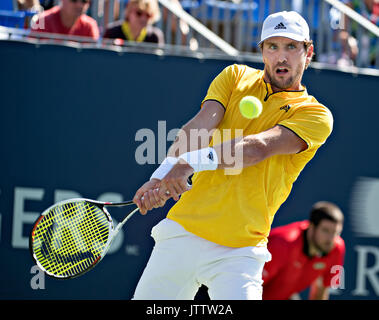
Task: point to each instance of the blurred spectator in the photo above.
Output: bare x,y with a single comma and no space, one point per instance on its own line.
68,18
111,13
367,41
344,47
349,49
306,253
47,4
30,5
178,25
137,25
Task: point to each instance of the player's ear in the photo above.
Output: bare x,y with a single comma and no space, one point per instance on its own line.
311,228
309,55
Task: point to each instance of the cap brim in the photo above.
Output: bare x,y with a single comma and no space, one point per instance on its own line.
288,35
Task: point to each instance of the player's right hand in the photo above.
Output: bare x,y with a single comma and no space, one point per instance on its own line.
147,197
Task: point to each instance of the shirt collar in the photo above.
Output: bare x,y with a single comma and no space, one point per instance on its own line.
283,93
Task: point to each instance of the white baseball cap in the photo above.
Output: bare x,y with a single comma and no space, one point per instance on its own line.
288,24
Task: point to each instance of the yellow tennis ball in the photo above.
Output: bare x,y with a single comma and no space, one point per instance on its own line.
250,107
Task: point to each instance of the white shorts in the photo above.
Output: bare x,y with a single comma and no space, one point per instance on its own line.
181,262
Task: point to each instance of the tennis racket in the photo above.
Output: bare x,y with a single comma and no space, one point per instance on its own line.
72,236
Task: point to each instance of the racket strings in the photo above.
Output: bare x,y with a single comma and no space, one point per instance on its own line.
70,238
64,238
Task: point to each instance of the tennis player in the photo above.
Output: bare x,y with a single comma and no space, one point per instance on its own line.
306,253
216,234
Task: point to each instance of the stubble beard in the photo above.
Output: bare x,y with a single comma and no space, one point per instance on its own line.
285,83
324,249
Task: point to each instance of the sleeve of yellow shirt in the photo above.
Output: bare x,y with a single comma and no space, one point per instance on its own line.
222,86
312,122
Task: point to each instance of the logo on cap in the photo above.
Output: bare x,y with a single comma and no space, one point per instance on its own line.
280,26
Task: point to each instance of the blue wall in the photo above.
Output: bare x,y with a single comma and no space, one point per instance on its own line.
68,124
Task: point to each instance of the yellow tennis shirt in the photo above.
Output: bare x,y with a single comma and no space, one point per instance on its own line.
237,210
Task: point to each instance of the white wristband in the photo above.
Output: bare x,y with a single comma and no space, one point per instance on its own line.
164,168
201,160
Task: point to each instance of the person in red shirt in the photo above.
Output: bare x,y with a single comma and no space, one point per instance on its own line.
69,18
306,253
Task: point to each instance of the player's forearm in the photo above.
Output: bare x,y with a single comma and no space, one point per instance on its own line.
245,151
241,152
233,154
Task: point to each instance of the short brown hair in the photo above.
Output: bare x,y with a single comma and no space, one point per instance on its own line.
324,210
